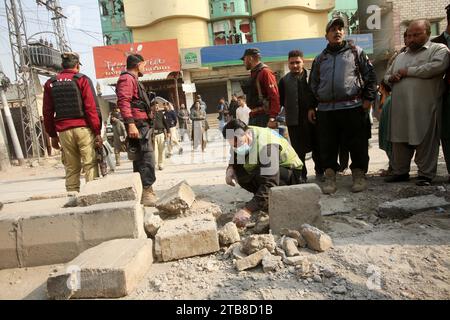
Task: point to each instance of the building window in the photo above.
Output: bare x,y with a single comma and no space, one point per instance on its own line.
211,8
232,6
225,7
247,9
104,9
435,28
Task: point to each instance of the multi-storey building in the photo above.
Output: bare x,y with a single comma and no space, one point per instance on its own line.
213,34
112,19
394,17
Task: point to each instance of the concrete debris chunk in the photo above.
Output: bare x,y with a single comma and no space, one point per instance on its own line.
229,234
290,247
252,260
205,207
187,237
304,269
285,211
110,189
316,239
152,223
271,263
294,261
256,243
294,234
177,200
110,270
280,252
237,252
44,232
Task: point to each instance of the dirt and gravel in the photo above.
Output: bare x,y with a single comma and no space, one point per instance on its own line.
371,257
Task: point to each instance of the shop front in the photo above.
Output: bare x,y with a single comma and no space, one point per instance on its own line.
162,73
217,71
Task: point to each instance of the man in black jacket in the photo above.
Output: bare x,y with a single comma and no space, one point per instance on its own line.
444,38
297,98
161,132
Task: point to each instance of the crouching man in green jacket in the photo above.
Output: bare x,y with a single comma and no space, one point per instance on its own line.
260,159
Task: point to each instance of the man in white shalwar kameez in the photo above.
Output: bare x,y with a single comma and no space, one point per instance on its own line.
416,77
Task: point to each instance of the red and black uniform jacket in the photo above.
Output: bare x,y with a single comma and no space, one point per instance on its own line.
91,119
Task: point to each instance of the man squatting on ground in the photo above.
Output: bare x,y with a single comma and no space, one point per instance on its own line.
260,159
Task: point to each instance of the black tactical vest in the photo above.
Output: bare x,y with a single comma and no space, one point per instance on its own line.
67,98
253,97
143,103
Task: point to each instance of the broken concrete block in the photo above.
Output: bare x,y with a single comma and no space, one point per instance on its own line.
187,237
229,234
9,228
271,263
285,211
177,200
205,207
109,270
293,261
229,251
43,232
252,260
315,238
256,243
290,247
304,269
294,234
152,223
404,208
112,188
237,252
280,252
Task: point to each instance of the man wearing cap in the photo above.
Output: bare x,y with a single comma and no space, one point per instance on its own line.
72,120
134,105
262,91
344,83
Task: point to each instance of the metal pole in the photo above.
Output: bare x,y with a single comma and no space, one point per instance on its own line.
32,129
12,129
4,152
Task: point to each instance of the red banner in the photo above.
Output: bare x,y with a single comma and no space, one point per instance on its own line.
161,56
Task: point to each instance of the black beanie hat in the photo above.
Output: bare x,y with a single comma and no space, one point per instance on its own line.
133,60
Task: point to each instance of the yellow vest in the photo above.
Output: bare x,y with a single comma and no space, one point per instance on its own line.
265,136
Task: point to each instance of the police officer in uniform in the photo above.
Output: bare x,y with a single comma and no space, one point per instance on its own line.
134,105
72,120
262,93
261,159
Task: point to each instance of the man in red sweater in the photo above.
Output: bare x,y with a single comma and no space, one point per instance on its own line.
262,93
134,105
72,120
